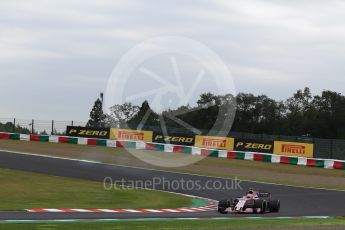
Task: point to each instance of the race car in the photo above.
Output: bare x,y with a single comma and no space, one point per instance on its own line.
254,201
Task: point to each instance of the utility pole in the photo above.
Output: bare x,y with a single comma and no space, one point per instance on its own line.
101,96
32,126
52,127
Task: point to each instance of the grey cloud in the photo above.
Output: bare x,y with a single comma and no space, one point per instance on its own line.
64,51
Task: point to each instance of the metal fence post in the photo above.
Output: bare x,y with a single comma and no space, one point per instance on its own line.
332,143
52,127
32,126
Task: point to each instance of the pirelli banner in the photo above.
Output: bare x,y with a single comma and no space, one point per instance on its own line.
88,132
131,135
252,145
294,149
213,142
175,139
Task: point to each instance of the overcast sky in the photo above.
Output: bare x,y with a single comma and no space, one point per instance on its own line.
56,56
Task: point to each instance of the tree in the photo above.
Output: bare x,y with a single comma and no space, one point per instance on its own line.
330,112
144,118
97,117
302,114
267,115
297,108
212,112
207,113
121,114
199,118
246,113
9,127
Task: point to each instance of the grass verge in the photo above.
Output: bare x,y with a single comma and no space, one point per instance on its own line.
245,170
24,190
333,223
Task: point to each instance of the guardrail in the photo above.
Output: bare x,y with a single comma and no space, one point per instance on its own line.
269,158
323,148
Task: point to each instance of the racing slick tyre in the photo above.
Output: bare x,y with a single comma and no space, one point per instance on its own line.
222,206
260,204
274,205
233,203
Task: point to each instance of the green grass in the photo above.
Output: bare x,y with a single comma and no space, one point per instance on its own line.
279,168
261,171
24,190
186,224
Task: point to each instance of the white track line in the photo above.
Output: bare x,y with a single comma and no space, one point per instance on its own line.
166,171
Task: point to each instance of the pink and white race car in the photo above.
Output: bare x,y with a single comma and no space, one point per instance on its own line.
253,202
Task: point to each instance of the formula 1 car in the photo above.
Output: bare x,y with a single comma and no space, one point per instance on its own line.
254,201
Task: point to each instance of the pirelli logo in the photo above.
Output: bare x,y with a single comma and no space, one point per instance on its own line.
294,149
213,142
131,136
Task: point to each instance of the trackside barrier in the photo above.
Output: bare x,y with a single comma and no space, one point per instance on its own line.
240,155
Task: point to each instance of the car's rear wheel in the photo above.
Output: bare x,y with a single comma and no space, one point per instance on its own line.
222,206
274,205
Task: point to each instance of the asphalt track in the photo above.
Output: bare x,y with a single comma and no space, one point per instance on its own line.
296,201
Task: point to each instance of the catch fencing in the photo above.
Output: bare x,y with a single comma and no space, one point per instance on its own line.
323,148
53,127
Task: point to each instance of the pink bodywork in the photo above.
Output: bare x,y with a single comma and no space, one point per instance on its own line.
251,195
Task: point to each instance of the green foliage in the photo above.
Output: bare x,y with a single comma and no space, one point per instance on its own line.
144,118
121,115
97,117
8,127
300,115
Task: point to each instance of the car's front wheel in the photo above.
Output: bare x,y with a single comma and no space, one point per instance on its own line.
223,205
